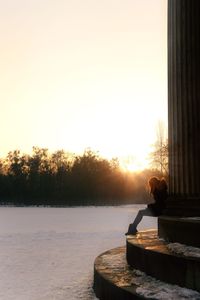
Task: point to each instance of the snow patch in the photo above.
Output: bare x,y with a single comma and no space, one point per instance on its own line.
184,250
150,287
191,218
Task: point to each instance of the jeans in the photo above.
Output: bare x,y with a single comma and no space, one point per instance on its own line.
141,213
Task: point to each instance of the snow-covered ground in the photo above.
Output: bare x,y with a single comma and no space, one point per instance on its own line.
48,253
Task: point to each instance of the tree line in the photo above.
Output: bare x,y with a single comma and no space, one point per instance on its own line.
61,178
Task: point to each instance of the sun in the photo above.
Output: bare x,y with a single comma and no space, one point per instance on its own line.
128,167
130,164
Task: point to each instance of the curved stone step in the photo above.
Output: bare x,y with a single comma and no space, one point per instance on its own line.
153,256
115,280
112,278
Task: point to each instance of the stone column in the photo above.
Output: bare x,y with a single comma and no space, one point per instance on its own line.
184,124
184,107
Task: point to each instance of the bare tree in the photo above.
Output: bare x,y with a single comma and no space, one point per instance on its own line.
159,155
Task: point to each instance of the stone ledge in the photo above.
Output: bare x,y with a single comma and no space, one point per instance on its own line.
152,256
115,280
111,281
182,230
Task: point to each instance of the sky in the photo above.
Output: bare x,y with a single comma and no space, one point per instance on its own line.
83,73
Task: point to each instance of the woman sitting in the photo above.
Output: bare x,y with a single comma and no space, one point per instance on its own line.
158,189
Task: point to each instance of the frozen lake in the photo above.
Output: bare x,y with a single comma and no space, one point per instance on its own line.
48,253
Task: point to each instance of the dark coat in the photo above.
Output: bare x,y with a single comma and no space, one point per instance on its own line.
160,196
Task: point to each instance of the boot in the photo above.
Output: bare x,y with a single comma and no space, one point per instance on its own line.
131,230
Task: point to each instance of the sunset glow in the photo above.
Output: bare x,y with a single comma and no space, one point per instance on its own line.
130,164
78,74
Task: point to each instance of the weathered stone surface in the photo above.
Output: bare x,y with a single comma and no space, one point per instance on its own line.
112,281
151,255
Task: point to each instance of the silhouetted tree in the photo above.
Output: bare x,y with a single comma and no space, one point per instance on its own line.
62,178
159,156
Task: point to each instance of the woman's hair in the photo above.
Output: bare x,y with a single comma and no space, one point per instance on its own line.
155,183
163,185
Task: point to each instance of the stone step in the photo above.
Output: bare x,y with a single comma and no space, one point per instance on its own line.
114,279
156,258
180,229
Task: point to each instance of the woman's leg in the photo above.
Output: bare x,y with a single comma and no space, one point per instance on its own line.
141,213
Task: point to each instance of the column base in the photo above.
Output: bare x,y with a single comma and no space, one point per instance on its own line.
184,230
182,206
